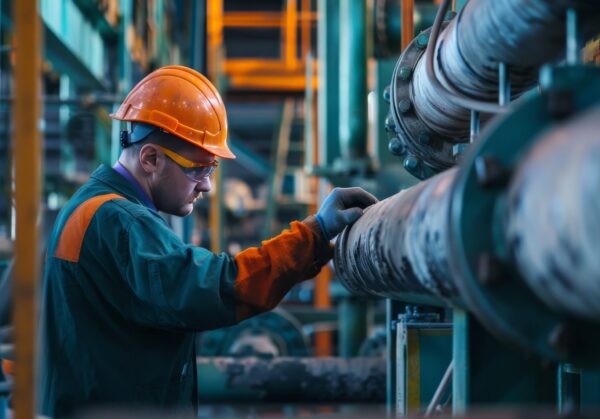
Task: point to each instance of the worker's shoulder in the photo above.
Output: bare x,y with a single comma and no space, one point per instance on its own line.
128,209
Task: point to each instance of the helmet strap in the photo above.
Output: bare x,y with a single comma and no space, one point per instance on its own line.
125,138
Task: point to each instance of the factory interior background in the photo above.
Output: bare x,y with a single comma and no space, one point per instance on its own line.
471,289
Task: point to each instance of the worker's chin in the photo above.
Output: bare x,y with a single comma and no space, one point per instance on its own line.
180,211
186,210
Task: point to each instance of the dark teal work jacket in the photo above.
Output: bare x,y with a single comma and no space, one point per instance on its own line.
123,295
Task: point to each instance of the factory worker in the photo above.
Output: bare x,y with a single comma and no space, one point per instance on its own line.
123,294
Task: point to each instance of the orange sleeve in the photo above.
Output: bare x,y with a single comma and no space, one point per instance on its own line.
267,273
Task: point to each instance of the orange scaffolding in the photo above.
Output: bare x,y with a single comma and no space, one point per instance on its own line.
286,73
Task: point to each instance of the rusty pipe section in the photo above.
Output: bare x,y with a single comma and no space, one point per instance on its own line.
553,217
483,35
291,379
400,245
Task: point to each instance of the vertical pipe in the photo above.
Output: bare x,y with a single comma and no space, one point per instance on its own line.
407,18
460,356
573,50
392,309
198,36
28,179
214,28
503,84
353,79
197,62
125,75
322,298
474,129
328,38
352,325
568,387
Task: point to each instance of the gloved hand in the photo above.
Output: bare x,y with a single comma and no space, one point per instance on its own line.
342,207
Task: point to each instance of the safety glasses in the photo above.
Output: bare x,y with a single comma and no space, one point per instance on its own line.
193,170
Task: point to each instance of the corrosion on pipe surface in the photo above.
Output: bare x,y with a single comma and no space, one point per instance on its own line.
292,379
400,244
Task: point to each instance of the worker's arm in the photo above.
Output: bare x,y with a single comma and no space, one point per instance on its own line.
267,273
183,286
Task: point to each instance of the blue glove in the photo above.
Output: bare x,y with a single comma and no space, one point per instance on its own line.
342,207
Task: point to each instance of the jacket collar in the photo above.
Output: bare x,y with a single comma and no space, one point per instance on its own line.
121,185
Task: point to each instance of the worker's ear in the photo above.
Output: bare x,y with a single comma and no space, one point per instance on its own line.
149,158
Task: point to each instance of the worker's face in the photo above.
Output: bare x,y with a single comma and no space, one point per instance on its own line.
173,191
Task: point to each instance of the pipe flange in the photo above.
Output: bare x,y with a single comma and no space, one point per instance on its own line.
424,152
481,261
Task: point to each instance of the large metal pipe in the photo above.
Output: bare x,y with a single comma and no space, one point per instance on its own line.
483,35
553,217
551,224
400,244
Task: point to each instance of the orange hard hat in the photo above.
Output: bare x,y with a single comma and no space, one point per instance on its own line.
183,102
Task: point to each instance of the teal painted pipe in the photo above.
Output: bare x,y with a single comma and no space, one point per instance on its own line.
353,80
387,25
352,325
328,95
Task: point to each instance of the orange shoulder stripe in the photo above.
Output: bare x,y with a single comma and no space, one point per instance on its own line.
71,237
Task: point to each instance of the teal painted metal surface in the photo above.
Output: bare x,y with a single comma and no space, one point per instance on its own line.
460,4
460,354
328,94
247,158
125,63
73,44
272,193
97,19
387,24
353,325
424,351
384,72
392,310
162,45
353,80
482,376
568,384
309,102
391,177
198,36
590,389
65,61
125,73
508,307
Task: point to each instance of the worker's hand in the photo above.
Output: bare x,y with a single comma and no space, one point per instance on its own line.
342,207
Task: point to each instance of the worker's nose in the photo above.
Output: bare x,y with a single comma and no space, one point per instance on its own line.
204,185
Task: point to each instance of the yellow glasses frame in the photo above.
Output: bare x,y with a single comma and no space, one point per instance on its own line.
188,166
183,162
